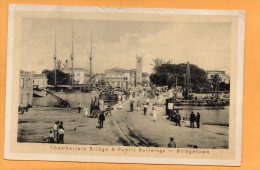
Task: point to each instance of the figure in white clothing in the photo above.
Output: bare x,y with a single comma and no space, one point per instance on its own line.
131,97
147,101
154,112
86,111
119,105
123,98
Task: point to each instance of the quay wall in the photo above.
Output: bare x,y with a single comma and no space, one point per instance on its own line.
73,98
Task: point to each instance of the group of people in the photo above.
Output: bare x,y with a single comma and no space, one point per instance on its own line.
85,109
133,104
194,118
56,135
176,117
145,108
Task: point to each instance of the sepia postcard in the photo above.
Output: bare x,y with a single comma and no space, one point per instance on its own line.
152,86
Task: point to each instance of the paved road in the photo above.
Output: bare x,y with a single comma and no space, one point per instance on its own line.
122,128
137,129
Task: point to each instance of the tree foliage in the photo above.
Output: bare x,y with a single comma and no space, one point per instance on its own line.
61,77
158,62
167,74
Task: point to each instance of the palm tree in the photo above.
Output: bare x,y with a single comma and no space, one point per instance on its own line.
158,62
215,83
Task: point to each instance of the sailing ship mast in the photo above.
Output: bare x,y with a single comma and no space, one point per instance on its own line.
188,80
90,58
72,58
55,65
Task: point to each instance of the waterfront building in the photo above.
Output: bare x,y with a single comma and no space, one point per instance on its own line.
225,78
80,75
26,88
40,81
99,77
118,77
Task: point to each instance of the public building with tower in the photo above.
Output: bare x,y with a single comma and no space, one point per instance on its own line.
139,68
126,78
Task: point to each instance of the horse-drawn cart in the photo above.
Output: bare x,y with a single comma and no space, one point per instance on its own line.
103,105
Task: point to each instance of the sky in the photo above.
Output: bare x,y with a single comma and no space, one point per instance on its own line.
116,43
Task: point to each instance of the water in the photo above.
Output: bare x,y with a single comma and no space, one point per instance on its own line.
208,115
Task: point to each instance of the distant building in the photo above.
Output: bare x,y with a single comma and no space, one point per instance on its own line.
223,76
99,78
132,81
26,88
145,78
125,78
81,75
118,77
40,81
139,69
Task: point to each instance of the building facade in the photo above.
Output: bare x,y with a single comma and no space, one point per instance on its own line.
225,78
145,79
26,88
119,77
80,75
40,81
99,78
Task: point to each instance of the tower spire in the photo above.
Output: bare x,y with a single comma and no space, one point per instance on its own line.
55,58
72,58
90,57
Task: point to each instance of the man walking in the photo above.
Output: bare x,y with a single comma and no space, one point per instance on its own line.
178,118
192,119
154,113
79,108
131,106
198,120
145,108
101,119
138,105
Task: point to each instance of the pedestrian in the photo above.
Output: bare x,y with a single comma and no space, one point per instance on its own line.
61,134
55,130
123,98
119,97
101,119
138,105
119,105
147,101
79,108
172,143
105,107
131,96
131,106
197,119
50,138
86,111
154,112
173,115
192,119
145,108
178,118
